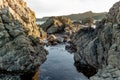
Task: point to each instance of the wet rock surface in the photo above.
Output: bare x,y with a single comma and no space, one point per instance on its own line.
20,49
71,47
99,47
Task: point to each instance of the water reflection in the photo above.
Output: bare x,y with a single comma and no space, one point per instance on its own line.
59,65
40,22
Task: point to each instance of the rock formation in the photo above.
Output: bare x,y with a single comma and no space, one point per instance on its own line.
99,49
53,40
87,21
20,51
24,14
58,25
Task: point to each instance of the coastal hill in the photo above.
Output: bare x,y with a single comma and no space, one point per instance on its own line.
81,16
91,14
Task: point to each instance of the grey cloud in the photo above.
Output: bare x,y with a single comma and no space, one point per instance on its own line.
61,7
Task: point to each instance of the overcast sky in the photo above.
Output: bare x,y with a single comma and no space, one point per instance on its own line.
44,8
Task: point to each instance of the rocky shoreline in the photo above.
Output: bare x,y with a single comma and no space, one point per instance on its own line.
96,50
99,47
20,51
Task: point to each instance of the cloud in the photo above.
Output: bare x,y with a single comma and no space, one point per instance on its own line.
61,7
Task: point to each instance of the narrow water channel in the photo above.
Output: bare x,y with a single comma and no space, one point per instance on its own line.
59,65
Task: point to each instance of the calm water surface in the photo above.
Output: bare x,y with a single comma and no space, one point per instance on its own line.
40,22
59,65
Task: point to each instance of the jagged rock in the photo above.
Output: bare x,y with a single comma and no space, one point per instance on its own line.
114,13
8,77
20,50
71,48
66,38
87,21
107,73
99,48
58,25
24,14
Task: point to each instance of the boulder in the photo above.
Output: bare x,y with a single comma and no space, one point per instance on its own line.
59,25
53,40
87,21
66,38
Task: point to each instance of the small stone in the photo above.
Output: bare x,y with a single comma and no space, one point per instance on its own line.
96,78
106,75
117,72
5,11
118,78
1,34
1,27
114,76
0,20
5,19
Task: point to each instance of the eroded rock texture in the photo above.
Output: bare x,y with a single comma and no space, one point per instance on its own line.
20,49
24,14
59,25
100,48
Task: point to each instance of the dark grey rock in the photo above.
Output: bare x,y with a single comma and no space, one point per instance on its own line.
100,47
8,77
19,54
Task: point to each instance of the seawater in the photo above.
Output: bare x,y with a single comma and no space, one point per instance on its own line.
40,22
59,65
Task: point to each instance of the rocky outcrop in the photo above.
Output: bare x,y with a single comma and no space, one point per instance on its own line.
99,48
107,73
20,51
53,40
114,13
24,14
87,21
8,77
58,25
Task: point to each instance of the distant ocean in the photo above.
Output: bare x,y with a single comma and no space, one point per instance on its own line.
40,22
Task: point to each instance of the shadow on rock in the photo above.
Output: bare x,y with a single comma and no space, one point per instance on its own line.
87,70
